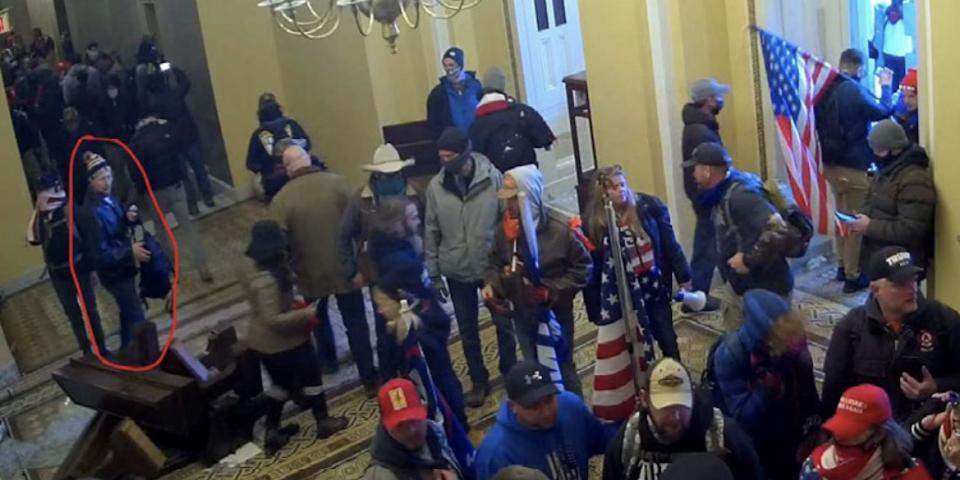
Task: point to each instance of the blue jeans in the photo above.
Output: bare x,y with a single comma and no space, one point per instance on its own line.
354,314
466,306
124,292
193,157
67,294
705,256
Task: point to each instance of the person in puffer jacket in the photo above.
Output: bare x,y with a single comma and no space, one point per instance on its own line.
765,375
901,201
396,249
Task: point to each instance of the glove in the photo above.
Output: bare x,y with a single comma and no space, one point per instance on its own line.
538,295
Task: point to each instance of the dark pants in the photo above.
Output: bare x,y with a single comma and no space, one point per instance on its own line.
466,306
527,330
434,334
899,67
296,376
193,157
705,256
124,292
388,352
661,327
67,294
354,314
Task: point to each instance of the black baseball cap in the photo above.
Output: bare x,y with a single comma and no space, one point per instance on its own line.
894,264
529,382
709,154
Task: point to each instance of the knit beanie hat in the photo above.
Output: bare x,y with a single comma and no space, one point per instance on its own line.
94,163
888,135
455,54
453,139
495,79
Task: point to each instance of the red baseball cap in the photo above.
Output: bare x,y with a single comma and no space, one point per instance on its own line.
861,408
399,402
910,80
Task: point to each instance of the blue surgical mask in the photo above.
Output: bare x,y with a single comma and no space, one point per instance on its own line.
388,185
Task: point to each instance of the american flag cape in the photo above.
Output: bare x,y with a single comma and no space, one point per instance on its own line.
797,80
614,394
415,369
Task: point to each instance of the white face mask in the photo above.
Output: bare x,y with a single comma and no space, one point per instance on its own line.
113,93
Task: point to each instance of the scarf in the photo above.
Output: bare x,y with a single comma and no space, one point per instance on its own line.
834,462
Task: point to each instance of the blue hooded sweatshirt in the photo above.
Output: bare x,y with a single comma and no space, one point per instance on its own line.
562,453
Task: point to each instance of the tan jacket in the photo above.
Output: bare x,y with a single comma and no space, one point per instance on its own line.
309,208
273,328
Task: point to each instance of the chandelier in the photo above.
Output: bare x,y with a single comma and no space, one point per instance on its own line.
301,17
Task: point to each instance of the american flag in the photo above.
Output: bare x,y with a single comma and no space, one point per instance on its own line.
614,395
415,369
797,79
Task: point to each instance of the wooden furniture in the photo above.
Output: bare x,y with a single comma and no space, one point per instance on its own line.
414,140
152,422
578,106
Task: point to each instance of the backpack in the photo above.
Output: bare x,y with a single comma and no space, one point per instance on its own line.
508,147
783,202
830,131
154,273
708,379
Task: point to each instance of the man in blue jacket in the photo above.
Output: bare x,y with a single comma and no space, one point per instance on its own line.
452,103
542,428
844,115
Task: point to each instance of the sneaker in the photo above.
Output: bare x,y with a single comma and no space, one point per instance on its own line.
209,202
329,368
371,388
841,275
326,427
477,395
855,285
712,305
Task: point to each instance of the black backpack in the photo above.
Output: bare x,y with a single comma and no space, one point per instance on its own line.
508,146
799,222
708,379
830,131
155,273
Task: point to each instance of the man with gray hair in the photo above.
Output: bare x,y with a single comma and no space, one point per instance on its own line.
700,126
309,208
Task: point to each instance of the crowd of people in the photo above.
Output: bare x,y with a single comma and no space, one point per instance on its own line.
480,231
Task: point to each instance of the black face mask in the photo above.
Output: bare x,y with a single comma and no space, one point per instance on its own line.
884,160
458,166
718,108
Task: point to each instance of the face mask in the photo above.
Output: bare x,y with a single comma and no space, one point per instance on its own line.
389,185
455,75
113,93
716,110
458,165
884,160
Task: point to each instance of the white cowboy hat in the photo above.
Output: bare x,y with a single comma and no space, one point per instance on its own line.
387,160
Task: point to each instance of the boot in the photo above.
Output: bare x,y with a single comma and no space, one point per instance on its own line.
856,284
326,425
841,275
477,395
276,438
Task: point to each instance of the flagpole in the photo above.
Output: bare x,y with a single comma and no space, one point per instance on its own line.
629,314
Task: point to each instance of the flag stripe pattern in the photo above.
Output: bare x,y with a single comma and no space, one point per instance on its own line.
797,80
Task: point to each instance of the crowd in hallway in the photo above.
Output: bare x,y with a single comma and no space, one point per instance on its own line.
480,232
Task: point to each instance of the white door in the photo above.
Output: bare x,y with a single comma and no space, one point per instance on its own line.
551,48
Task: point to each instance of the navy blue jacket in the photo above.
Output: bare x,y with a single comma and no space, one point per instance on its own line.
858,109
104,224
438,104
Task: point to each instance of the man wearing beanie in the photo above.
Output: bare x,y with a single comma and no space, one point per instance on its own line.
906,111
452,102
900,203
104,223
461,218
505,130
898,340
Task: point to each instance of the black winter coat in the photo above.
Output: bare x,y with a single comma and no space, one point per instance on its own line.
516,119
864,350
900,204
169,101
154,145
698,127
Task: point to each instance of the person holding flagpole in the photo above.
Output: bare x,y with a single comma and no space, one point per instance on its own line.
537,265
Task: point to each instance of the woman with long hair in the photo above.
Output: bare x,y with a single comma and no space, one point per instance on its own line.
279,332
652,253
865,443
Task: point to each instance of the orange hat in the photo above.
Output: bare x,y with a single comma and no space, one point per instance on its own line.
910,80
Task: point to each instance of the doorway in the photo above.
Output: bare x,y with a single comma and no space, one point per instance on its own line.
891,44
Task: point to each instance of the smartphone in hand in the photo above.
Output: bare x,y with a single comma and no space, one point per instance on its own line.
845,217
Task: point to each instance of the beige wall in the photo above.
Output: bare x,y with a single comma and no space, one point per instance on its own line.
43,14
